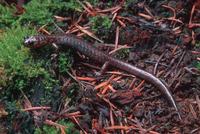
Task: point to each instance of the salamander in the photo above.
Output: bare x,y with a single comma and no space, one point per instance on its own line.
93,53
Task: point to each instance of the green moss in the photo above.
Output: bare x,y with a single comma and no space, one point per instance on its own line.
13,54
52,130
22,71
123,53
16,116
16,61
100,22
107,4
198,65
93,2
41,12
64,62
197,44
6,16
38,12
72,5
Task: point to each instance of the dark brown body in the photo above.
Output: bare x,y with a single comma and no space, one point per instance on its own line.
90,51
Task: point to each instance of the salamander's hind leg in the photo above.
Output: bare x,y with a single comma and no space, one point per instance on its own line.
103,68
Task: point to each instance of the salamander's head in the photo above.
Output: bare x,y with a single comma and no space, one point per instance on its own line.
36,41
30,41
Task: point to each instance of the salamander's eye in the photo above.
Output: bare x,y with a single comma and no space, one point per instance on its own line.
29,41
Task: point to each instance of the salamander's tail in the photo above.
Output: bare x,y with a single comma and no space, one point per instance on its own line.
164,89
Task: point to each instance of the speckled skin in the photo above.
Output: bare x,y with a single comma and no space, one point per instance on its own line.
88,50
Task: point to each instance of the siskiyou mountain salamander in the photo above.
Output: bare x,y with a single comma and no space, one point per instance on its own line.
87,49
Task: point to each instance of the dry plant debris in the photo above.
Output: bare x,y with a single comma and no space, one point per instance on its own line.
163,37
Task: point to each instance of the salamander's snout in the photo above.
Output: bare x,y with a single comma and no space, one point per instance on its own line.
30,41
37,41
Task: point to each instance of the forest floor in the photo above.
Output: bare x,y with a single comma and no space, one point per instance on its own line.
51,90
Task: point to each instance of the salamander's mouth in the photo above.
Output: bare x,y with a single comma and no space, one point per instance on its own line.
30,41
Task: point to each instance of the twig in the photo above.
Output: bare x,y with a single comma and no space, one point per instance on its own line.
36,108
117,38
157,63
88,33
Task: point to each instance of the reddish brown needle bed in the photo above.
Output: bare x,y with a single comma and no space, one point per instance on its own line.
90,51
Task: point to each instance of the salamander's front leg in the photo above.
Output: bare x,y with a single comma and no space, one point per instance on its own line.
103,68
